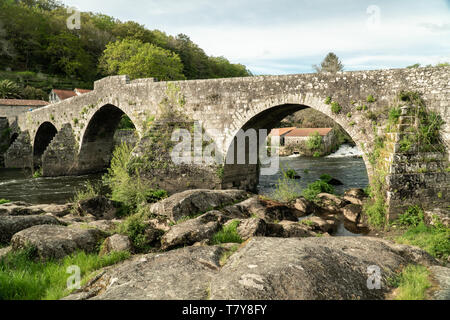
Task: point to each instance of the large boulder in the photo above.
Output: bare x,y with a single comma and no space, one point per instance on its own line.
312,269
192,231
55,242
10,225
116,243
295,230
352,212
19,208
268,210
100,207
182,274
252,227
192,202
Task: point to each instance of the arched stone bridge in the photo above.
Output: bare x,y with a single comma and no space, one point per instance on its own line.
75,135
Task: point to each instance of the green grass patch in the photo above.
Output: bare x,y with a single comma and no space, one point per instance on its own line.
412,283
313,189
227,254
22,278
228,234
335,107
3,201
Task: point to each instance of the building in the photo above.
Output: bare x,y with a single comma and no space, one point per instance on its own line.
277,136
11,108
296,140
57,95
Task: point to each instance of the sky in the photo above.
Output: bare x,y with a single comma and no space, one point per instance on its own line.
289,36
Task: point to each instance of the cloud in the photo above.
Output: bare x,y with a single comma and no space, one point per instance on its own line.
288,36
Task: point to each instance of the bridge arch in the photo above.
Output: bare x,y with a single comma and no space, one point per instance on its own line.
268,117
97,142
44,135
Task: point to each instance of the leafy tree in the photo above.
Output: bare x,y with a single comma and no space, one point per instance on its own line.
9,90
331,63
141,60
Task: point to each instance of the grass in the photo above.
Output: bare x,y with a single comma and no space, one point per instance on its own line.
37,173
335,107
3,201
370,98
22,278
228,234
432,239
286,190
412,283
227,254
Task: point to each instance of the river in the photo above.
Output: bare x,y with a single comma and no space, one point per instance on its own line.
17,184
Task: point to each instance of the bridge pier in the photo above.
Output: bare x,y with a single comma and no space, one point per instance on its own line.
20,153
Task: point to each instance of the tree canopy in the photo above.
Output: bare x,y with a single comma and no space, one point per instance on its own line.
331,63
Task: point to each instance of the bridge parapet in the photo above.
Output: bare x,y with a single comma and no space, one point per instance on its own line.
111,82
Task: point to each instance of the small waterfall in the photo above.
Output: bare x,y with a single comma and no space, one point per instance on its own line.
346,150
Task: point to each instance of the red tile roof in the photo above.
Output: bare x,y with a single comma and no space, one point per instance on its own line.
82,90
280,131
19,102
64,94
305,132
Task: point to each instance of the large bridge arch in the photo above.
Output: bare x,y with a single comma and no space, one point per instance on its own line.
267,115
97,141
42,139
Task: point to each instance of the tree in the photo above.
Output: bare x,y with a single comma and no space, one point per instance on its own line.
9,90
141,60
331,63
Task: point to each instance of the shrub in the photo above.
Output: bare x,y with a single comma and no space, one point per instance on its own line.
313,189
412,217
370,98
394,115
335,107
328,100
37,173
135,228
290,174
286,190
314,141
228,234
3,201
316,154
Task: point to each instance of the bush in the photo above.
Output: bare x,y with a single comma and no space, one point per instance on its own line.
135,228
228,234
290,174
412,217
370,98
313,189
394,115
314,141
335,107
328,100
286,190
3,201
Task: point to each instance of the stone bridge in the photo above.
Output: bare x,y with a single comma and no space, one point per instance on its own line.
75,136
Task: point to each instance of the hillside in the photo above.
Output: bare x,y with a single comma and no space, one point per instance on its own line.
38,49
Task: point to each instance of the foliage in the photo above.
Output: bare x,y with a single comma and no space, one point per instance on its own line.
335,107
328,100
125,123
370,98
128,189
330,63
394,115
412,283
3,201
228,234
290,174
412,217
227,254
314,141
141,60
414,66
286,190
135,228
9,90
315,188
22,278
37,173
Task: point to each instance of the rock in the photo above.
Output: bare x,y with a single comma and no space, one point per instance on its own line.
356,193
305,206
353,200
267,210
275,230
104,225
335,182
192,202
182,274
116,243
352,212
19,208
100,207
73,218
58,210
328,225
10,225
325,268
4,251
295,230
252,227
331,198
192,231
55,242
441,276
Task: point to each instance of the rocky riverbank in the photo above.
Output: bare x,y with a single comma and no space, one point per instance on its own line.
277,251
